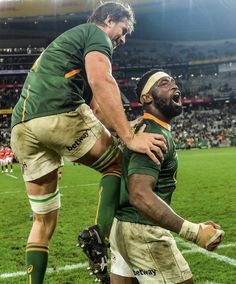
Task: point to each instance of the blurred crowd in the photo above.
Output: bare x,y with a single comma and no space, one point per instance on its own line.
202,127
199,126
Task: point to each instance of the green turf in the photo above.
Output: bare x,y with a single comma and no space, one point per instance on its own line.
206,190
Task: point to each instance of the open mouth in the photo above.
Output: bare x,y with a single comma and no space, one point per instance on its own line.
176,98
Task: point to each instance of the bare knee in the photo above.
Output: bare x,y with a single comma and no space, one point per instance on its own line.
44,198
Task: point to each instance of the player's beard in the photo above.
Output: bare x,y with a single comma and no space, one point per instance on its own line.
167,107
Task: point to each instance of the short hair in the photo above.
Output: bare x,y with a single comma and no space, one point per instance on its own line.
118,11
143,80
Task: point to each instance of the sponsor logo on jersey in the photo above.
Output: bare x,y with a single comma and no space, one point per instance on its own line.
151,272
77,142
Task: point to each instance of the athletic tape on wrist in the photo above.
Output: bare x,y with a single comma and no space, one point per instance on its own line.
189,231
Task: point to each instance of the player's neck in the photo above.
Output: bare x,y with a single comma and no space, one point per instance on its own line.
159,115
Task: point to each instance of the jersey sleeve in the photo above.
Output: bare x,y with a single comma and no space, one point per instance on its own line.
99,41
142,164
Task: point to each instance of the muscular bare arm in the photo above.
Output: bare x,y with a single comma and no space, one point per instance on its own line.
98,113
207,235
150,205
107,96
106,93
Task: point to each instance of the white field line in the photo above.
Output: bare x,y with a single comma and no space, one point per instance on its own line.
11,192
193,249
15,177
65,186
219,257
79,185
49,270
227,245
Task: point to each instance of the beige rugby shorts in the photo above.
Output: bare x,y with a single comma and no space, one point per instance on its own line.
148,253
40,143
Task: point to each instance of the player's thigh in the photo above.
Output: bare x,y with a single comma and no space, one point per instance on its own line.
46,184
36,159
152,254
119,267
80,132
117,279
73,134
105,154
92,144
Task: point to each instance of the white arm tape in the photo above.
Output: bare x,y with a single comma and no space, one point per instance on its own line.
189,231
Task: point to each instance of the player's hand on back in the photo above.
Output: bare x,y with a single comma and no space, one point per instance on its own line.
144,142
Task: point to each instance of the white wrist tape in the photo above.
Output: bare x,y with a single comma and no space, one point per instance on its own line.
189,231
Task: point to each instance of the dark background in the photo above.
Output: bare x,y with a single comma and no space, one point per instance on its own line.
169,20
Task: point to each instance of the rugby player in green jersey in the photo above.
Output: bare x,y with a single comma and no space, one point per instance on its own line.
52,119
143,249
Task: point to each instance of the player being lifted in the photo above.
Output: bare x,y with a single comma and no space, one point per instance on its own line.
52,119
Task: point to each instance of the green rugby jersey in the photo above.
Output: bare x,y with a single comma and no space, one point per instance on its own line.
57,81
136,163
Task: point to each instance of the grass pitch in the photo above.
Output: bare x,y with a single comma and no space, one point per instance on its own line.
206,190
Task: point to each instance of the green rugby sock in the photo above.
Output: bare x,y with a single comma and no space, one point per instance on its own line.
109,194
36,261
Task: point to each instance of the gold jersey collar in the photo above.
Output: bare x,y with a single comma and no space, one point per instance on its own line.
160,122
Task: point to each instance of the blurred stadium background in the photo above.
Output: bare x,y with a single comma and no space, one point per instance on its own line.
195,41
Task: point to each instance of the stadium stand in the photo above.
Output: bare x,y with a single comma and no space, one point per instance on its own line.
205,74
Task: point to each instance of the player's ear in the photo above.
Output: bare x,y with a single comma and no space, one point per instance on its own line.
147,98
108,21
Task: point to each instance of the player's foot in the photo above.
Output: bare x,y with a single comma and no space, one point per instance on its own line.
2,172
101,276
96,251
6,170
11,171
